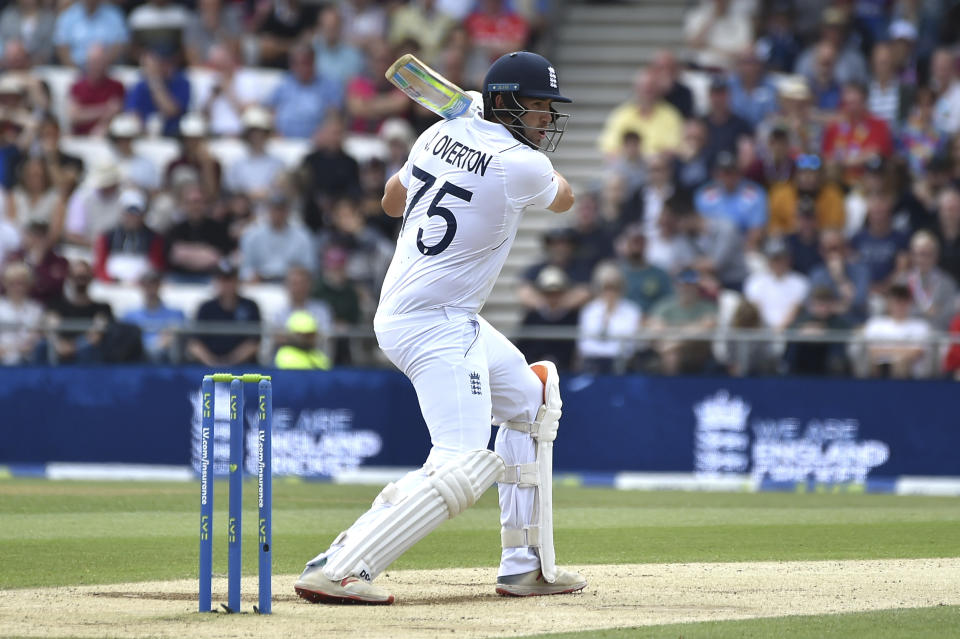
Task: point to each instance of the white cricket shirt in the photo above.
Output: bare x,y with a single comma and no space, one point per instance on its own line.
468,182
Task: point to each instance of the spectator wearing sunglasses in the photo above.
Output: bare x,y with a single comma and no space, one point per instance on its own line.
808,190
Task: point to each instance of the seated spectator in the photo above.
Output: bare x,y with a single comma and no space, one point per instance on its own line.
299,286
399,137
422,22
951,363
822,79
808,190
552,284
717,30
780,292
732,198
94,98
693,170
278,27
137,170
887,99
327,173
560,248
368,253
195,160
907,358
157,23
79,346
227,306
945,80
856,136
35,198
20,316
130,249
198,244
658,188
629,163
748,357
878,246
364,22
86,23
804,242
49,270
771,162
725,128
269,248
644,284
657,122
674,91
593,234
933,290
304,98
496,29
163,92
156,320
685,310
93,208
797,115
255,174
948,232
823,312
371,99
847,278
753,95
215,21
234,89
711,246
65,169
335,289
920,140
32,23
336,58
849,64
779,44
608,324
300,350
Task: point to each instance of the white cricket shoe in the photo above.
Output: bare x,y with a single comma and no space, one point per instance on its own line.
532,584
315,587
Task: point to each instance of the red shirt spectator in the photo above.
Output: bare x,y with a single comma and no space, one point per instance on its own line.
49,269
95,98
856,136
951,364
496,29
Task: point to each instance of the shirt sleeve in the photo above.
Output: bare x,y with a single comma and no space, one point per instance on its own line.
530,180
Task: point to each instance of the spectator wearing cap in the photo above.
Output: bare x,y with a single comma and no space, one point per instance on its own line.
725,128
255,174
887,98
903,40
778,45
89,22
94,98
196,245
879,246
301,352
796,115
270,247
48,268
731,197
907,358
658,123
919,140
127,251
713,246
32,23
234,89
856,136
608,324
94,208
778,292
304,98
158,23
752,94
228,306
560,247
717,31
945,80
947,231
335,288
336,58
844,275
327,173
849,64
137,170
156,320
195,161
552,284
667,73
20,316
823,312
163,91
933,290
807,191
644,284
686,309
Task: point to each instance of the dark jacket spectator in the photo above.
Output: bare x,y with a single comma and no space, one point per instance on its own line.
327,173
551,283
227,306
196,245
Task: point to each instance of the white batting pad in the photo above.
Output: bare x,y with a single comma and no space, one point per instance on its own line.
544,430
405,514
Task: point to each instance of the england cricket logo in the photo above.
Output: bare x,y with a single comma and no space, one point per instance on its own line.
552,77
475,384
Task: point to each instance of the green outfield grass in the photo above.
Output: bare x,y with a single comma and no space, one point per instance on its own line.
73,533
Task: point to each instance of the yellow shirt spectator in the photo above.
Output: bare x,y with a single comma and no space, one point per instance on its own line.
659,125
301,352
784,197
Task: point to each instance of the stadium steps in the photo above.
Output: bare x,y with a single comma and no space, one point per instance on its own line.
598,49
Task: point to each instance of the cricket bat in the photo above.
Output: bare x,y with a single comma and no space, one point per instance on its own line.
431,90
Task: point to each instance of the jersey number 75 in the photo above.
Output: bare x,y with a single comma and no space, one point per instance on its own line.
435,209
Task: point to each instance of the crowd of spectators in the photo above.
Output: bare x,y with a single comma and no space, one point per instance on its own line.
814,186
294,71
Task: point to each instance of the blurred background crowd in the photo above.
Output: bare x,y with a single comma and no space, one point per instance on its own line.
201,182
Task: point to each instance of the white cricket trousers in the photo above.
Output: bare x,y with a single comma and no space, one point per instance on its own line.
465,372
